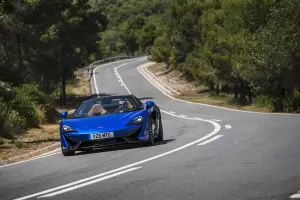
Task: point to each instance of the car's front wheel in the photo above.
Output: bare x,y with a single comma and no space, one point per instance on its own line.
67,152
150,132
160,135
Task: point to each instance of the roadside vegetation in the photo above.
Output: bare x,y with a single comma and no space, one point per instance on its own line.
23,137
247,48
42,44
190,90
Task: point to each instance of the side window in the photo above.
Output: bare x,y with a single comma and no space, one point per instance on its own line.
138,102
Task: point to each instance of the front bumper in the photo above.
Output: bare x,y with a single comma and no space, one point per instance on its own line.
75,141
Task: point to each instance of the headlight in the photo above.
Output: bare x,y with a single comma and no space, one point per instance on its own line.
67,129
137,120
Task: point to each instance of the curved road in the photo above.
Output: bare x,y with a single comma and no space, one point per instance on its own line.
208,153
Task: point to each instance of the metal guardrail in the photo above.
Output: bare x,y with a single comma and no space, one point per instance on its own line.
91,67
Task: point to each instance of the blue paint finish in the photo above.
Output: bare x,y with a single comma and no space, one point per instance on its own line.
116,123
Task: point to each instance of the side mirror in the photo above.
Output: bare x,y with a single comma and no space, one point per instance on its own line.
149,104
64,115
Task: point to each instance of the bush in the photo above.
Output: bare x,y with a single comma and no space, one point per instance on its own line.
33,105
28,108
263,101
11,122
15,124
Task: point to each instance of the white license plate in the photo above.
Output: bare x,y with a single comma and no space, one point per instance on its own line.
98,136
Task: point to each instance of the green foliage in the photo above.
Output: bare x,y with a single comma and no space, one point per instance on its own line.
133,25
26,107
11,122
250,47
26,102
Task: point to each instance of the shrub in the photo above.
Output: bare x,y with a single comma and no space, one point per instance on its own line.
1,141
26,108
264,102
33,92
11,124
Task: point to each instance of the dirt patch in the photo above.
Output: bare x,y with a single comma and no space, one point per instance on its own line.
190,91
175,80
30,141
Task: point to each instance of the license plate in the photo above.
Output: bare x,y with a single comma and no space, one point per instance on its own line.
98,136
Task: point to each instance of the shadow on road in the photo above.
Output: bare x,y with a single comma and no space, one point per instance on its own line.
123,147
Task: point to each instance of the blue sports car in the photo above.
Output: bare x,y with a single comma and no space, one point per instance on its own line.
109,121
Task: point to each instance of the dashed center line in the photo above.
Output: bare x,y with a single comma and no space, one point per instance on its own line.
228,127
295,196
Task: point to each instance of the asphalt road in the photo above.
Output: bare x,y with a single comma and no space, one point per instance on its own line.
253,156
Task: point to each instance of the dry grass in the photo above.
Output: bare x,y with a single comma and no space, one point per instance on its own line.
81,84
190,91
37,138
31,140
222,101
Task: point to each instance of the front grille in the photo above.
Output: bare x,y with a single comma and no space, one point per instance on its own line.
102,143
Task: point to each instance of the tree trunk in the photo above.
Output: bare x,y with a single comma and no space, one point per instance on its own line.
211,86
249,93
63,88
242,91
236,91
19,51
218,89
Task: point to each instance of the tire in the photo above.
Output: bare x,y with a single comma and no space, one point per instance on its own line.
150,132
67,152
160,136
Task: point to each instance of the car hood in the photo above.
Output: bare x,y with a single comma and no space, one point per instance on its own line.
106,122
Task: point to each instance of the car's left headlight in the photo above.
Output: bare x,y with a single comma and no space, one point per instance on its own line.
137,120
67,129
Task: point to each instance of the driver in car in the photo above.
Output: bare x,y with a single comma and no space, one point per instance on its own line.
97,110
125,106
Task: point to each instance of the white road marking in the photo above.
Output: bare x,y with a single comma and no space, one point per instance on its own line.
120,78
207,105
197,118
295,196
182,115
122,85
216,120
31,159
228,126
94,72
89,182
172,112
119,81
211,140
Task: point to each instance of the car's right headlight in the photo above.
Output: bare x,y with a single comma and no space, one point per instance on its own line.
137,120
67,129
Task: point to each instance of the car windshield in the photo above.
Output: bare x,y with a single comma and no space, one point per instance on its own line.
105,106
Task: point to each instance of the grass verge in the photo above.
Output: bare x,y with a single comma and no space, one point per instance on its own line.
47,134
191,91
